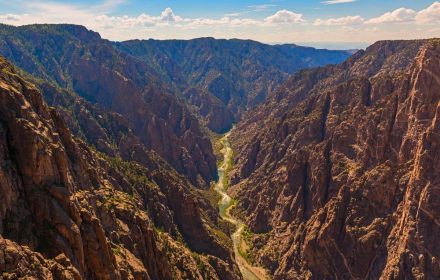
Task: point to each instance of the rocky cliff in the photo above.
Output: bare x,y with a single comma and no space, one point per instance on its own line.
231,76
165,91
70,212
336,173
78,60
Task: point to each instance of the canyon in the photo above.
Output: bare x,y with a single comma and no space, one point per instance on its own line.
150,159
226,204
336,171
71,212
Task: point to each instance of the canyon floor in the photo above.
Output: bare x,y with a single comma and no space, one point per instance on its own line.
114,163
226,203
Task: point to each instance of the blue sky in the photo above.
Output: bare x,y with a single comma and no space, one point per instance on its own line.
349,23
212,8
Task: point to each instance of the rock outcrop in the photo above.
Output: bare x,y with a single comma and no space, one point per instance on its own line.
78,60
231,76
70,212
165,90
336,173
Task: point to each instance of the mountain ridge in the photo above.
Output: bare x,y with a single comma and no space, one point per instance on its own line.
70,212
107,167
255,68
81,62
329,171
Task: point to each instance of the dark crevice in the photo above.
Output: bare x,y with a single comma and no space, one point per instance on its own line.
393,118
368,94
378,259
324,116
328,171
393,122
343,214
309,107
305,189
251,162
18,227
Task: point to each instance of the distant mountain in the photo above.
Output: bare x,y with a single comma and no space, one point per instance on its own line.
149,82
225,78
79,61
336,173
106,161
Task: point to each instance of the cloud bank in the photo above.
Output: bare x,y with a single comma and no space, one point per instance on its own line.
279,26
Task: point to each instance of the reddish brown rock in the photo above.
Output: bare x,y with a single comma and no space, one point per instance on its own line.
68,212
336,171
83,65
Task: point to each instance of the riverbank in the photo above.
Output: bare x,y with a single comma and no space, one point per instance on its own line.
226,203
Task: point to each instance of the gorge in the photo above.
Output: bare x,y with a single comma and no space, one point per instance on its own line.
216,159
226,204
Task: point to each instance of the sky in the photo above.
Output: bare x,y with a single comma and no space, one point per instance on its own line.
322,23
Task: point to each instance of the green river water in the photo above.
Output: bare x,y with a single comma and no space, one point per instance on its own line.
248,271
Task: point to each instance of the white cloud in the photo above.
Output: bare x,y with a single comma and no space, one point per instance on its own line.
348,20
10,18
333,2
235,14
49,12
276,27
430,15
167,17
142,20
397,16
284,16
223,22
261,8
372,29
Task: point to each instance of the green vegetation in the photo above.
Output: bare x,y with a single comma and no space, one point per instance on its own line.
134,173
246,248
201,265
228,168
211,196
217,145
117,250
114,198
224,238
222,142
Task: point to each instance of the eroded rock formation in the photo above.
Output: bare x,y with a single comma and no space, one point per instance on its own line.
70,212
231,76
75,59
337,172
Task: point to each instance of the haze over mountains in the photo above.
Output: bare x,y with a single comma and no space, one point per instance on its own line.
109,152
225,78
145,89
220,78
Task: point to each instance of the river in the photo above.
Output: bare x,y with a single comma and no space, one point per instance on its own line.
248,271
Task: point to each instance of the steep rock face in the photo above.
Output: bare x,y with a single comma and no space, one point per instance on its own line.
212,110
110,134
67,212
336,172
79,60
238,73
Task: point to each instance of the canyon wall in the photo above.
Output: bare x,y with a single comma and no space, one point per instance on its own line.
336,173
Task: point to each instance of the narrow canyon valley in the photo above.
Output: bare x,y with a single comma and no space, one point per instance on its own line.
225,159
